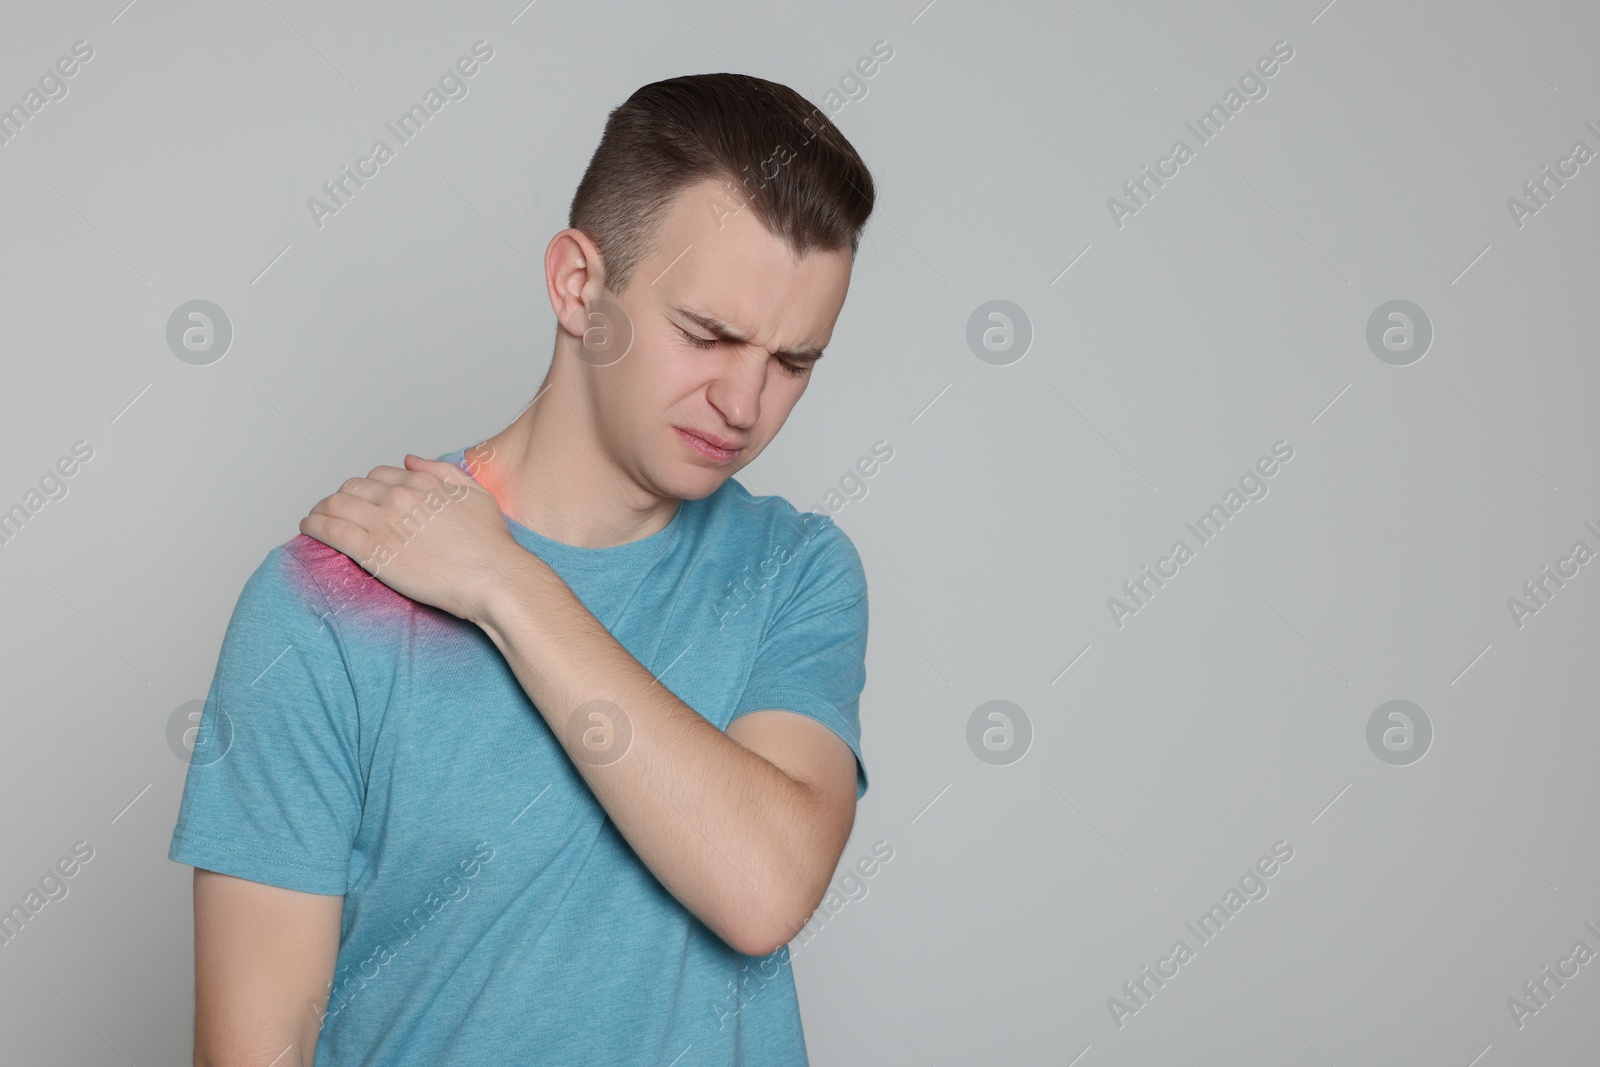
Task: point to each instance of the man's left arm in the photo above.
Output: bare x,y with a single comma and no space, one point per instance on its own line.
744,828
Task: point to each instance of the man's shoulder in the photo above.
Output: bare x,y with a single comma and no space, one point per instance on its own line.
306,575
808,548
321,560
773,519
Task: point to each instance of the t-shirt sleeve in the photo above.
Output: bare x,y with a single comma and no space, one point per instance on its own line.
274,788
813,657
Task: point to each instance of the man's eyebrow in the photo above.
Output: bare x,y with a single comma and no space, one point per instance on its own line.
724,332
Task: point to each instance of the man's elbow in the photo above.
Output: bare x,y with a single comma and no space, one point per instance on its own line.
763,939
776,907
772,919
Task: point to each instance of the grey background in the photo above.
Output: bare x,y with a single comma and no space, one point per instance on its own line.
1230,313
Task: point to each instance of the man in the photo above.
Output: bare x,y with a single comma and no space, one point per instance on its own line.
542,751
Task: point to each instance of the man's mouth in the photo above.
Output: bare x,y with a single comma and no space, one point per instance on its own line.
712,447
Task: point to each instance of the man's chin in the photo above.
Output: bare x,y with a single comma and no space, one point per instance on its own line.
700,488
697,481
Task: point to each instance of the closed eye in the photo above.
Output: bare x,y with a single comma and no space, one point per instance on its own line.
698,342
794,369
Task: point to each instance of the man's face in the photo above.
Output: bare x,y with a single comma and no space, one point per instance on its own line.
715,266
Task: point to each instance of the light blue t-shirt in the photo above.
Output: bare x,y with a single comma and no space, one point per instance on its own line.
357,742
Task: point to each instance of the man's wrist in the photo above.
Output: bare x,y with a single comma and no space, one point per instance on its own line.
515,584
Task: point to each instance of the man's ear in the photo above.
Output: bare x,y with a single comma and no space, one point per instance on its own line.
574,277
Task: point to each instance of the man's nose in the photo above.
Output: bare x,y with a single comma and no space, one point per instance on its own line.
736,392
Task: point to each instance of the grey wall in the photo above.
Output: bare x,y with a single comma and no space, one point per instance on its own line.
1145,760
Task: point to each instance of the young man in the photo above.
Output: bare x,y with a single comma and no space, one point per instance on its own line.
542,751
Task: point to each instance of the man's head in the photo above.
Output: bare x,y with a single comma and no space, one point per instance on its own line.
708,256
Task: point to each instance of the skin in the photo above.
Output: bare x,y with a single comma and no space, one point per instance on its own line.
743,827
264,957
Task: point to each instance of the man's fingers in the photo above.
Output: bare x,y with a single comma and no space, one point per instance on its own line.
377,486
342,534
392,475
429,475
353,505
360,489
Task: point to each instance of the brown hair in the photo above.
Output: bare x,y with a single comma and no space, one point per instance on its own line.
771,150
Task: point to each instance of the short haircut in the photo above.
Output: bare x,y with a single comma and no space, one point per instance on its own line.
770,149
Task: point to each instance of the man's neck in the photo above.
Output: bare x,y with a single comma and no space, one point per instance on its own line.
548,471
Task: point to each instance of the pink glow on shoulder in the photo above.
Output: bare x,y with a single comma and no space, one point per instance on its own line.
354,597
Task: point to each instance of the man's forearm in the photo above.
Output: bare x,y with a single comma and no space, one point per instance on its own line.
729,834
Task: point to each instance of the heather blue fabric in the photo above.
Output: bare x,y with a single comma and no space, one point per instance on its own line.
356,742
